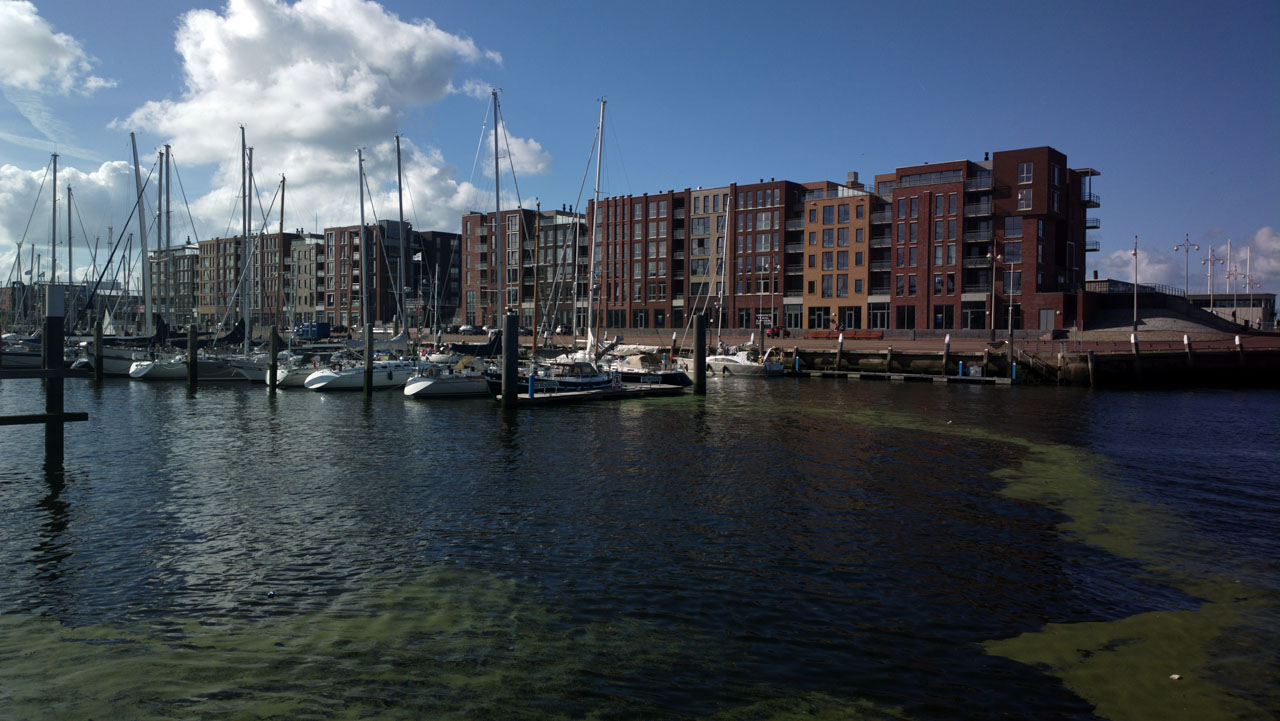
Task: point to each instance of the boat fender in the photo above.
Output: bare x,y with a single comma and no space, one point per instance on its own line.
390,374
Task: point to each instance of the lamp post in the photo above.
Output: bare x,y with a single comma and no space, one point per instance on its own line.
994,256
1209,262
1135,283
1186,247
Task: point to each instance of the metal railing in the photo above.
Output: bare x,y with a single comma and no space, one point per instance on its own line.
977,208
1092,223
881,241
1090,200
881,265
1092,246
982,182
977,235
882,217
795,224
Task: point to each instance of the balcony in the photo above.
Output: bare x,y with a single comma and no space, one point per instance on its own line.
1092,246
794,248
977,261
795,224
982,182
975,209
1090,200
881,241
885,216
878,265
976,288
880,290
977,236
1092,223
794,269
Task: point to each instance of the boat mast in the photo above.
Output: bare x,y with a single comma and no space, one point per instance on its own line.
168,240
250,275
404,243
497,214
364,285
279,305
71,300
142,235
591,239
724,266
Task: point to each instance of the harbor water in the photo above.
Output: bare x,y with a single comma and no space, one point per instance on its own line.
777,549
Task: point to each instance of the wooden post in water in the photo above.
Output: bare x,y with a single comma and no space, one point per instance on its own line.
1240,351
839,350
888,359
1089,356
368,360
1008,358
511,361
97,352
675,350
273,347
193,360
1186,343
946,352
700,355
986,361
55,313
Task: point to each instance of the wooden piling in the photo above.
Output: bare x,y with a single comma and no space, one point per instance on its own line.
368,360
1089,356
986,362
53,393
97,352
839,351
193,359
946,353
511,361
1191,358
273,348
888,359
700,355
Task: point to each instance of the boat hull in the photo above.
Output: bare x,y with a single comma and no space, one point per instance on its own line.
445,386
386,375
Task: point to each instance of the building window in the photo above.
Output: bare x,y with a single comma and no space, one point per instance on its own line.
902,209
813,215
1013,226
842,214
938,200
859,211
813,238
1024,173
902,233
937,284
911,285
915,233
828,215
826,286
857,233
1055,203
826,260
951,229
937,254
857,258
1013,252
857,285
842,237
951,283
1013,281
951,255
915,207
951,203
1024,199
842,260
828,240
842,286
899,285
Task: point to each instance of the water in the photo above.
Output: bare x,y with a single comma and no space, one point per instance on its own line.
777,549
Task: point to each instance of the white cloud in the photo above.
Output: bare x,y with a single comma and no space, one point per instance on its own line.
312,81
36,61
34,57
1153,268
526,155
477,89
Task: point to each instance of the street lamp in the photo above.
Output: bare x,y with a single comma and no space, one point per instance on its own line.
1209,262
995,257
1135,283
1186,247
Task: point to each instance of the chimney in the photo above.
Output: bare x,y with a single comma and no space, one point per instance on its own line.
986,156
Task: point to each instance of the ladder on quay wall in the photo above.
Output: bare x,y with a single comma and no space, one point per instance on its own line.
1034,364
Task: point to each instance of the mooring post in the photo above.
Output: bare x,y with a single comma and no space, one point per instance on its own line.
839,351
273,348
700,355
888,358
1186,343
1089,356
986,361
368,360
193,360
511,361
97,352
55,313
1240,351
675,350
795,353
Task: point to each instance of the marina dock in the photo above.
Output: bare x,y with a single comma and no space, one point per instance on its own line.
630,390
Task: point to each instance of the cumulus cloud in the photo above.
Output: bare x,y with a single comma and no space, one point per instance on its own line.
524,155
25,203
36,61
311,81
1153,267
34,57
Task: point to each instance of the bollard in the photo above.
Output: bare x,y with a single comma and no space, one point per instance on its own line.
839,350
960,370
97,352
888,358
795,353
1089,356
675,351
193,359
946,353
700,355
1186,343
1013,371
986,361
1240,351
55,313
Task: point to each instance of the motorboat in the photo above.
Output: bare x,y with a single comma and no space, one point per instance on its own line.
387,374
435,380
174,367
558,377
746,362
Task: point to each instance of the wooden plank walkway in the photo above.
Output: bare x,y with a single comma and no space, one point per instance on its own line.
902,377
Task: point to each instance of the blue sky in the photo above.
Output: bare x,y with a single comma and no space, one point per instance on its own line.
1177,105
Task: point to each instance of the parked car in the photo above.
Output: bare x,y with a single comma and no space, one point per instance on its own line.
468,330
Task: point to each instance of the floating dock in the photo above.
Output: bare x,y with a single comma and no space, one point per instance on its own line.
628,390
902,377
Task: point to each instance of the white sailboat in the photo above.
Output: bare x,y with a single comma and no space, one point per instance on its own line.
464,378
387,374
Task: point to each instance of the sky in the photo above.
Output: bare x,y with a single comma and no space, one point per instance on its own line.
1176,104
